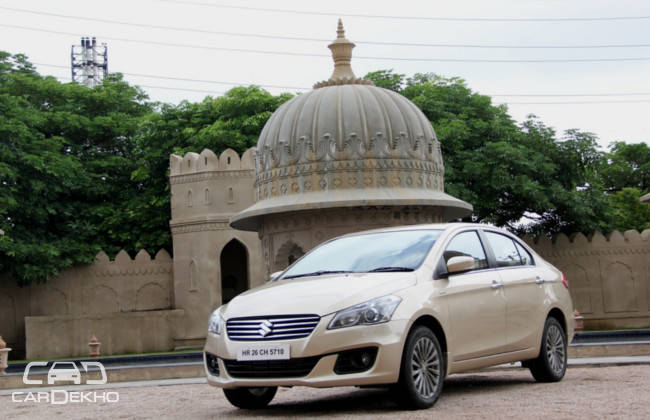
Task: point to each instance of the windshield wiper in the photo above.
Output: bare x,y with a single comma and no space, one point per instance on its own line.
316,273
378,269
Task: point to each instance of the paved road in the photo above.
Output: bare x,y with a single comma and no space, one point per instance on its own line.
604,392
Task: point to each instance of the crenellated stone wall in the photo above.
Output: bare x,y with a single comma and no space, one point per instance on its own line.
609,276
123,285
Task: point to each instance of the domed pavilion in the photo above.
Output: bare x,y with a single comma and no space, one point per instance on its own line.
344,157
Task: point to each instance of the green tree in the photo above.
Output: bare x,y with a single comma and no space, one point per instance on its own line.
628,212
509,171
387,79
230,121
84,170
65,165
626,165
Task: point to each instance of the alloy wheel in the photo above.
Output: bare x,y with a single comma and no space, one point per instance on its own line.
555,348
425,366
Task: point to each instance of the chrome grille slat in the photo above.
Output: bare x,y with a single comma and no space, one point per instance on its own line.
255,326
315,318
284,327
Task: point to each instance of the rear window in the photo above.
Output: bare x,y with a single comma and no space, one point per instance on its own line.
504,249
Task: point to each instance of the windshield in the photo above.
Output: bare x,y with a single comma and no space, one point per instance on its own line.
402,250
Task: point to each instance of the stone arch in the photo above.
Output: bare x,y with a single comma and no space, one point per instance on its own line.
619,291
151,296
286,255
189,202
234,269
231,195
102,299
207,198
7,318
580,287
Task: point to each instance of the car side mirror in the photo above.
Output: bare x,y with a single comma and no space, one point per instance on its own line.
275,275
459,264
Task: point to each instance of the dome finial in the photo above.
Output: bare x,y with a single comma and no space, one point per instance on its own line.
340,32
342,54
341,49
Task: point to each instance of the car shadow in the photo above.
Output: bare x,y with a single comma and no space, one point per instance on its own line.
470,383
369,401
379,400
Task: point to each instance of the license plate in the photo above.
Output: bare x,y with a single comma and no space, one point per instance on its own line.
264,352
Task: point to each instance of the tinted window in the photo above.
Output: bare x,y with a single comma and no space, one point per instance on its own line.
401,250
526,258
467,244
504,250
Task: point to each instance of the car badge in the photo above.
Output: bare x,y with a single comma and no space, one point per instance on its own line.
265,328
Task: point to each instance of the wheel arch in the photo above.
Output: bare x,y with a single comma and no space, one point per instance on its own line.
559,315
434,325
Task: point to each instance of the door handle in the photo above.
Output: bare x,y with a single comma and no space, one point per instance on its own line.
496,285
539,280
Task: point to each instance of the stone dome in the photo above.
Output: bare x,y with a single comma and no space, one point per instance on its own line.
347,143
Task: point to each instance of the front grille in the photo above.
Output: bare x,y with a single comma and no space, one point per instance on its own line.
292,368
272,327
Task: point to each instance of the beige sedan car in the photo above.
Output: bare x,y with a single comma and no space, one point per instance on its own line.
402,307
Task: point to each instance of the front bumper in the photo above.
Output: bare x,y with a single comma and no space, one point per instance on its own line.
325,345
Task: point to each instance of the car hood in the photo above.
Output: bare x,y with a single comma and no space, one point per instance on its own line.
319,295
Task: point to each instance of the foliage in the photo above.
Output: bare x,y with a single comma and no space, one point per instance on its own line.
65,162
387,79
506,170
84,170
233,120
627,165
628,212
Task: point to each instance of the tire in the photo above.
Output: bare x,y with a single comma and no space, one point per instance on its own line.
422,370
551,363
250,397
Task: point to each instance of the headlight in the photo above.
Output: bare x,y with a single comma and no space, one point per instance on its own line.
216,321
372,312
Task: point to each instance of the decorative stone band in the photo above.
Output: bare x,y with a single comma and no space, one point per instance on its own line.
217,222
326,176
305,150
133,271
208,175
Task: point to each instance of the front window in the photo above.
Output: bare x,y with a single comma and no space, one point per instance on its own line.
467,244
372,252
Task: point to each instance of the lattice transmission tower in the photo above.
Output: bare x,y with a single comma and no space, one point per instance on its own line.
89,62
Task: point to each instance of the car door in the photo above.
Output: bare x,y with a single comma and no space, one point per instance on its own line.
475,301
523,288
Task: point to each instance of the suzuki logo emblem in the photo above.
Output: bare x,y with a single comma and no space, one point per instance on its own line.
265,328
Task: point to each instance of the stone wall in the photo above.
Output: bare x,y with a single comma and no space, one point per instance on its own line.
609,276
104,287
54,336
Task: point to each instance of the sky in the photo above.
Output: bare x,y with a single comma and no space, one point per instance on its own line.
189,45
